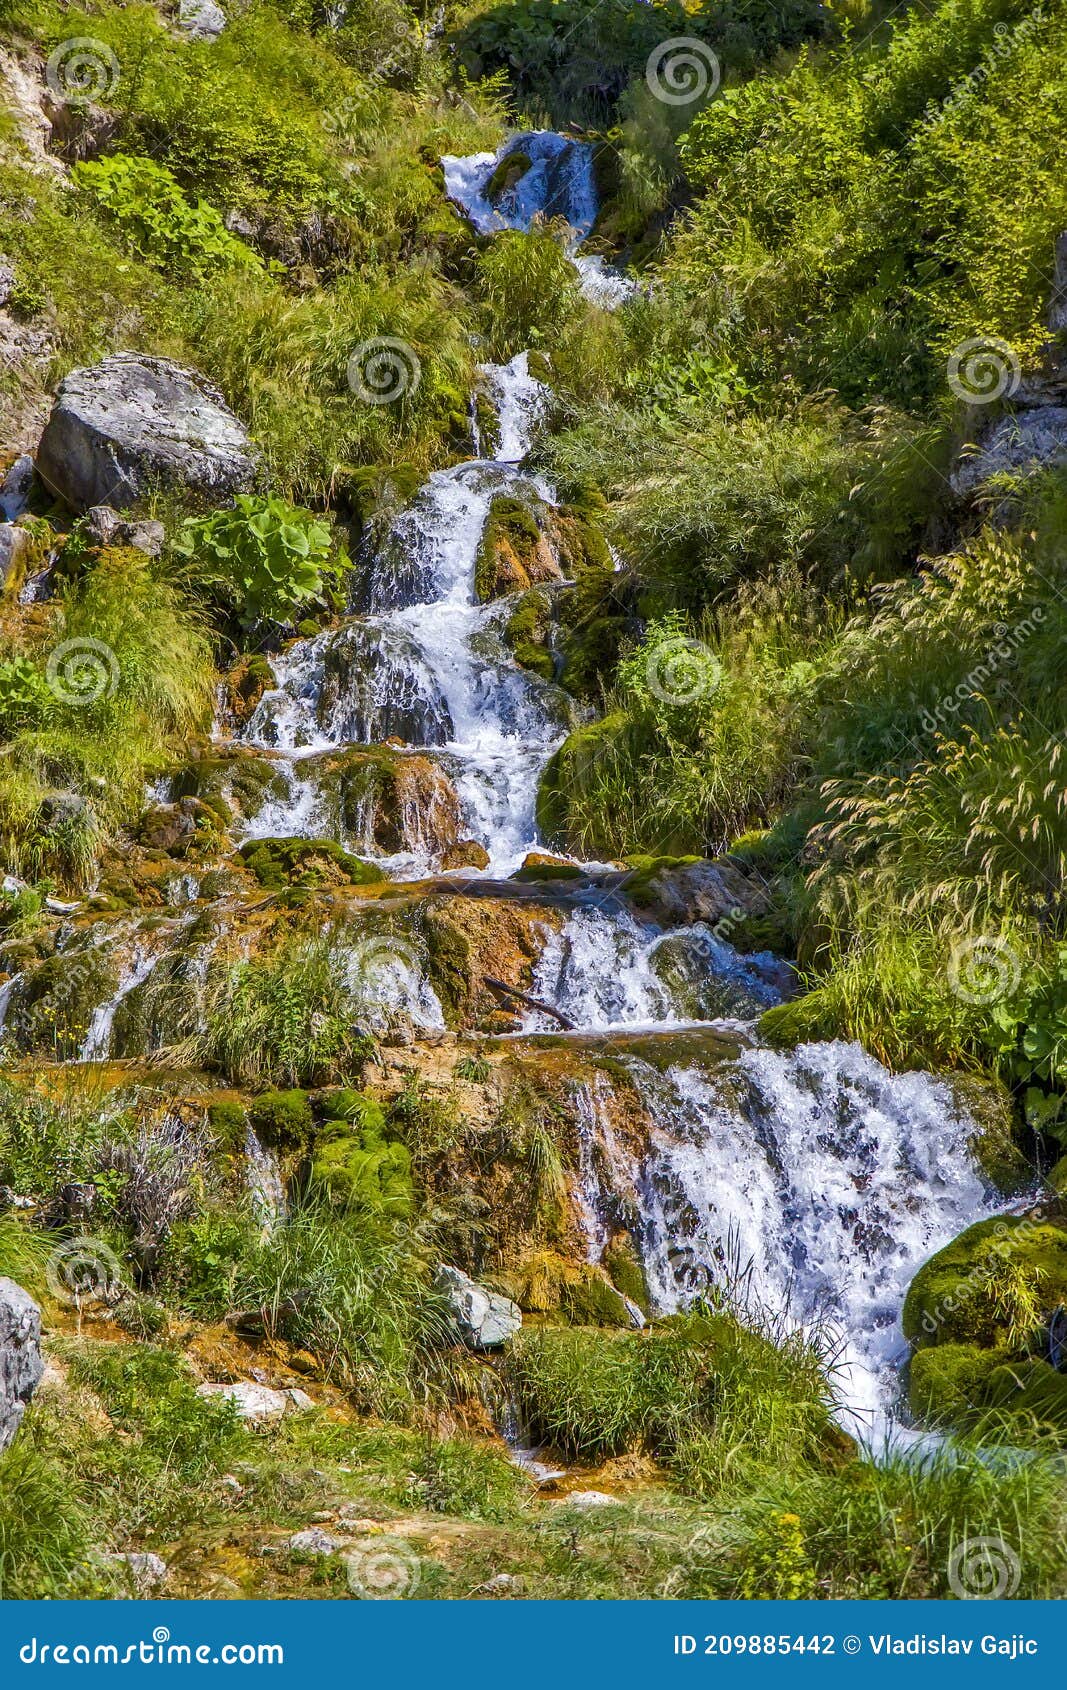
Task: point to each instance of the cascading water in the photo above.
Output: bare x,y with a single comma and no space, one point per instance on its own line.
425,665
828,1179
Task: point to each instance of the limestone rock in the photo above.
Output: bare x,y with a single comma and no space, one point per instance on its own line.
146,1571
125,426
257,1403
15,548
314,1541
15,488
21,1362
484,1318
203,20
1026,440
701,890
590,1499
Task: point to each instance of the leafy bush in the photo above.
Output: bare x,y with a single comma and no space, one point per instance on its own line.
26,699
265,557
157,220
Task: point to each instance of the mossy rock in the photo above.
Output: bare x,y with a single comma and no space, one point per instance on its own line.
227,1120
989,1102
946,1383
566,769
1029,1390
530,874
529,634
306,863
363,1168
355,1108
508,172
961,1294
228,784
624,1268
513,553
282,1119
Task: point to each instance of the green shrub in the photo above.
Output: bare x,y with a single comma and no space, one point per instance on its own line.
265,557
155,218
353,1292
45,1526
26,699
151,1394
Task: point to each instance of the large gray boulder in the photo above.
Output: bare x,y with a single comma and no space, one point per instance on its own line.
484,1319
21,1362
1026,440
129,424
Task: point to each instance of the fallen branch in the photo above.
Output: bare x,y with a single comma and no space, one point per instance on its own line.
531,1003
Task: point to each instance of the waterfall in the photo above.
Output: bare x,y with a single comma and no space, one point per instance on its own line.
427,665
814,1176
97,1043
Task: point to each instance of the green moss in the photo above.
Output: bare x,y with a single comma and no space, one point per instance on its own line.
946,1383
1029,1390
548,871
510,528
989,1102
363,1168
585,746
509,171
528,633
626,1272
353,1107
980,1288
305,863
282,1119
228,1120
593,1302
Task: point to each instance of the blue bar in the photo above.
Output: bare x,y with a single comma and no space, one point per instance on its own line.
515,1645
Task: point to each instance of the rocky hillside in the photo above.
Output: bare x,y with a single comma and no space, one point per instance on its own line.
532,954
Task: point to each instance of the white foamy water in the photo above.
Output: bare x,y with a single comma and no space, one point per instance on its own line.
606,972
559,183
826,1178
427,666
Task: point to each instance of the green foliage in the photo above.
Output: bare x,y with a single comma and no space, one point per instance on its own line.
265,557
131,665
287,1017
151,1394
354,1293
26,699
281,1118
573,59
153,215
699,1391
529,291
44,1524
363,1167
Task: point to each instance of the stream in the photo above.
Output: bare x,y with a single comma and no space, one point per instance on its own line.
815,1176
